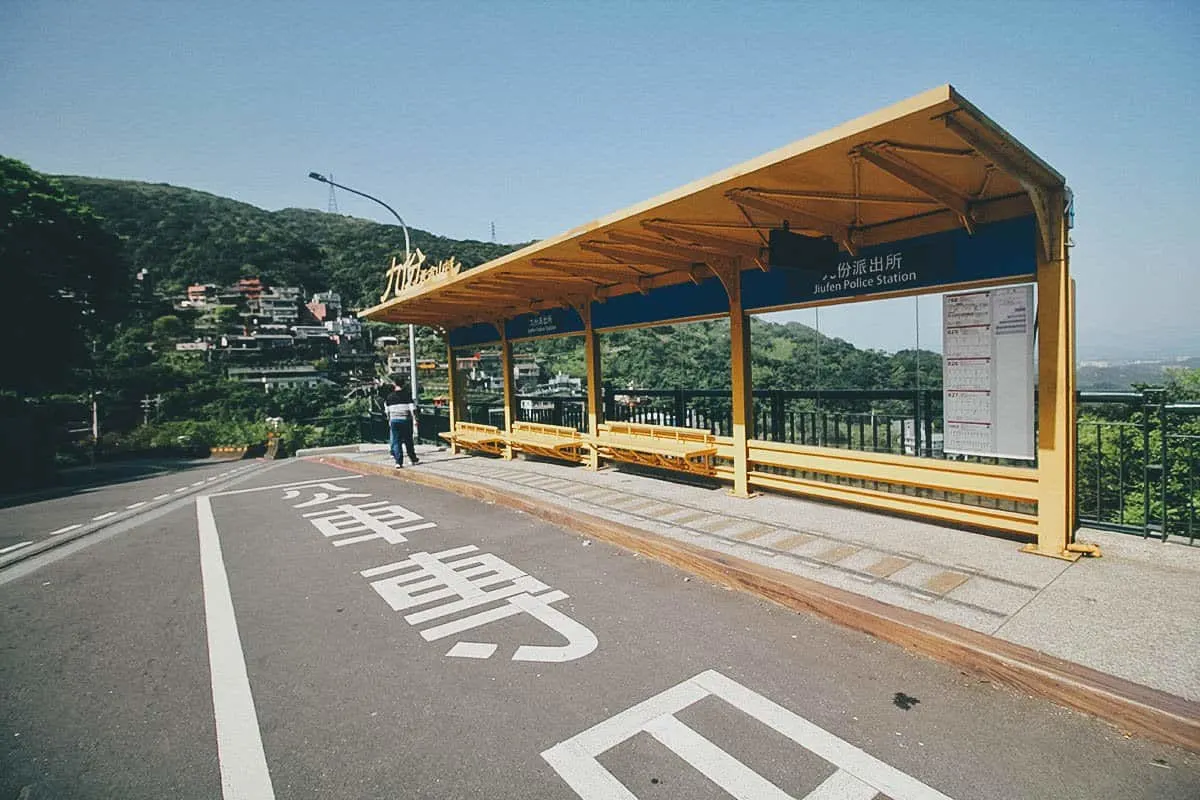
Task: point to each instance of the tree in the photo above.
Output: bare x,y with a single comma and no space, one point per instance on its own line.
65,271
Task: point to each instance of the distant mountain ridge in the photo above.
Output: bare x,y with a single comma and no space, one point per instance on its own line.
185,236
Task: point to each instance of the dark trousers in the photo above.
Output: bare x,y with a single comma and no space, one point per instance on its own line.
402,437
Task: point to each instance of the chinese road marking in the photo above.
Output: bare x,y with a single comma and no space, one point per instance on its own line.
461,576
244,773
857,775
290,485
377,520
67,529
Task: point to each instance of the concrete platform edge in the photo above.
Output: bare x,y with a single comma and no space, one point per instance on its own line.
1129,706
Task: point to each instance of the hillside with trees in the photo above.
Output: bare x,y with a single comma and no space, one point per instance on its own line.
182,236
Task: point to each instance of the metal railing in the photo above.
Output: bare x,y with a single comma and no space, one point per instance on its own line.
1137,464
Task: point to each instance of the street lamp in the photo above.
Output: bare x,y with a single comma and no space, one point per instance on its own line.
412,336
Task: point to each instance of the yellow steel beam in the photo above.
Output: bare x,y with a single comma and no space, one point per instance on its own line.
847,197
628,256
455,391
1010,483
509,396
797,218
670,247
941,510
591,357
1056,407
1038,180
920,179
599,269
730,274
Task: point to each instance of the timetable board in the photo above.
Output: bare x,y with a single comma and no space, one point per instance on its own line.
987,380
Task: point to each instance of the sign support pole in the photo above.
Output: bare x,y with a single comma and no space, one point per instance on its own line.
1056,400
455,410
730,275
506,367
591,357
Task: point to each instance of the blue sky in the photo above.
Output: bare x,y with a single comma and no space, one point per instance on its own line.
541,116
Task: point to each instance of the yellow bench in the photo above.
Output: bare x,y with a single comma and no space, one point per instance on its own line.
685,449
473,436
550,441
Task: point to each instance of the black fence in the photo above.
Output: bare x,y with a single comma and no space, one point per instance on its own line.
1136,466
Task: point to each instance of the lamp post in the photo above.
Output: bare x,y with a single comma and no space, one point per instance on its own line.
412,337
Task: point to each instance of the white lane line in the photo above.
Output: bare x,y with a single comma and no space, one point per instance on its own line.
181,489
105,515
64,530
12,547
161,496
712,762
244,773
198,483
857,774
136,505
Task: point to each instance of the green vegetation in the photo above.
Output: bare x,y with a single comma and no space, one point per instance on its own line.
1117,442
182,236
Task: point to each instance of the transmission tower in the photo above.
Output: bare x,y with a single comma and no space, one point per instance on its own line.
332,209
493,233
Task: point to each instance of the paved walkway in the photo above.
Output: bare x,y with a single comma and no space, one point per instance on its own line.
1131,613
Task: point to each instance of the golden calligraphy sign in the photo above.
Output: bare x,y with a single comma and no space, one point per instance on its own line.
412,272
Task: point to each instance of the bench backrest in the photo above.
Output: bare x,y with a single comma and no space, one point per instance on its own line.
475,427
561,431
636,429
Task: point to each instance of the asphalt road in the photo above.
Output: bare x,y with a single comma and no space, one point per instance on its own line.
93,498
123,673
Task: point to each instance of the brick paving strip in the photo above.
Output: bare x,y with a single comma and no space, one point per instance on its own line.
1131,707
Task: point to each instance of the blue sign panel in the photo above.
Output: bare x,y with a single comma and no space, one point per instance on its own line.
553,322
680,301
1000,250
479,333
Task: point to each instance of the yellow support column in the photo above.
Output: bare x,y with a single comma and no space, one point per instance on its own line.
509,397
455,409
1056,401
591,357
730,275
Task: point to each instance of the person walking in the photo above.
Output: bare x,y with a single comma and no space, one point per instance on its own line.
402,423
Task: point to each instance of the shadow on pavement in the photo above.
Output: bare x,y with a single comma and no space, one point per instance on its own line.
79,480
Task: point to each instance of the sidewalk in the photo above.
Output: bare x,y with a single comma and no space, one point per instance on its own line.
1129,614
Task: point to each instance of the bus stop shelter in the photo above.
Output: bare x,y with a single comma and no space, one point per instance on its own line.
926,196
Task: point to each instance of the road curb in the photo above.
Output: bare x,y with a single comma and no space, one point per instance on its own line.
1129,706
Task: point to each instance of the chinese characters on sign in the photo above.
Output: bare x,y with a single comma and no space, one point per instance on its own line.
412,272
458,580
988,376
542,324
877,273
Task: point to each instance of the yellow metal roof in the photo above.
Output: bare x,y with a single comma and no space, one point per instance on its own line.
930,163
